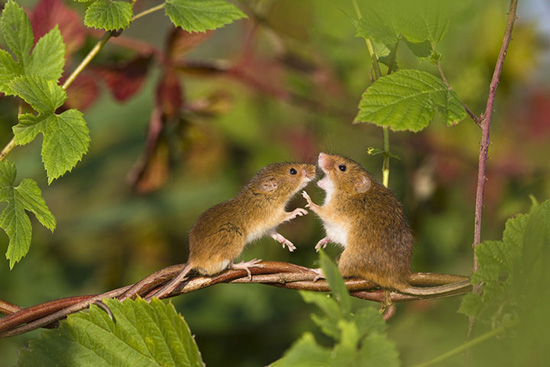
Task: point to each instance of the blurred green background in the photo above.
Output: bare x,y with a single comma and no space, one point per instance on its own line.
282,85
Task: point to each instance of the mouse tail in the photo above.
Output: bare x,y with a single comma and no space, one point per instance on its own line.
440,290
150,282
173,284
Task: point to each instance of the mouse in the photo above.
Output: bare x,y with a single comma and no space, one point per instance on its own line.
368,221
220,234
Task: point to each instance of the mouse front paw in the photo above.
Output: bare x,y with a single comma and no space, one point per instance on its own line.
283,241
322,244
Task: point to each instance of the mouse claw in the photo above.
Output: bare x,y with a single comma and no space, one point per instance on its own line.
318,274
283,241
308,199
255,263
322,244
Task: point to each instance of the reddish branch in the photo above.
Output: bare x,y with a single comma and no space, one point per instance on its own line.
485,124
283,275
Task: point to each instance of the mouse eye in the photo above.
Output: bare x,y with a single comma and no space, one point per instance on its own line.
342,167
293,171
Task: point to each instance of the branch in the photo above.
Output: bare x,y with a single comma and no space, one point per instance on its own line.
278,274
486,125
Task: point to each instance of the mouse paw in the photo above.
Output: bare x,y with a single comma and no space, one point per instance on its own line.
283,241
308,199
318,274
298,212
322,244
255,263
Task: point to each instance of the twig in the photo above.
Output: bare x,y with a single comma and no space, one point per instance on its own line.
278,274
485,124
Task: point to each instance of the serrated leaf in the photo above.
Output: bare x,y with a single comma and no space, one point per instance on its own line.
305,353
378,350
142,334
8,70
17,31
369,320
471,305
408,100
14,219
66,139
202,15
48,56
336,283
45,96
378,23
109,15
424,20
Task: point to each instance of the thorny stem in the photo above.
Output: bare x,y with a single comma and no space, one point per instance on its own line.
485,124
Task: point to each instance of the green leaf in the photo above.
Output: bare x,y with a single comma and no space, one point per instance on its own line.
336,283
424,20
45,96
369,320
8,70
109,15
141,334
202,15
378,350
66,139
17,31
14,219
305,353
408,100
378,23
331,310
48,56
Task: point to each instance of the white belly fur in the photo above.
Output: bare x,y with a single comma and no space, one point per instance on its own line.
336,233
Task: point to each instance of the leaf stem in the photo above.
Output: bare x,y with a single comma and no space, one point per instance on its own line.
476,119
148,11
463,347
93,52
377,75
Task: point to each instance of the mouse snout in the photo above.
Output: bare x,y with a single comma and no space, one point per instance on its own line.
323,161
309,171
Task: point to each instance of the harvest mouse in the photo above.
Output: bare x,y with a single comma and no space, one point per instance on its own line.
367,220
220,234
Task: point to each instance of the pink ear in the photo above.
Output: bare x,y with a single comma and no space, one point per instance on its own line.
362,184
268,184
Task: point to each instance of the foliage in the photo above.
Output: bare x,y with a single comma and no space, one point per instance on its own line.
513,281
360,337
137,333
199,112
407,99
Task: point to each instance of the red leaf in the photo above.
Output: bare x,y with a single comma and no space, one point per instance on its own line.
82,92
125,80
169,94
152,170
180,42
47,13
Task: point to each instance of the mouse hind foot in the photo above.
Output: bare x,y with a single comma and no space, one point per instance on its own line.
246,266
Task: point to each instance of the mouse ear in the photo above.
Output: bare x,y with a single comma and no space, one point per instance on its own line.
268,184
362,184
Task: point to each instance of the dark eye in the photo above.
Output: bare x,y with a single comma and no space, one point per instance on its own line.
293,171
342,167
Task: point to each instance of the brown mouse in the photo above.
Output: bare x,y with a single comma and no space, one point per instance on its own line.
367,220
220,234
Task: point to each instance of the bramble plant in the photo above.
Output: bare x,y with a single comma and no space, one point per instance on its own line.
509,277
